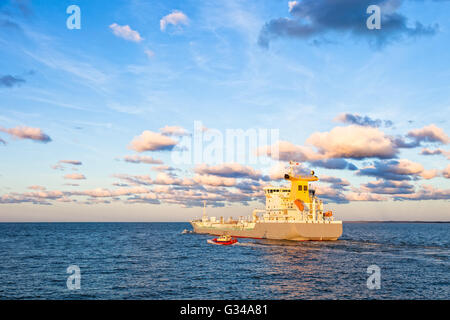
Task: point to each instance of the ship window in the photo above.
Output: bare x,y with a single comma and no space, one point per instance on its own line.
305,188
299,188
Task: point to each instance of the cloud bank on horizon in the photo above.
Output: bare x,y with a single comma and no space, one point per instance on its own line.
227,183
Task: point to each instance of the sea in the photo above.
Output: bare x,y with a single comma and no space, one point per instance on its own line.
158,261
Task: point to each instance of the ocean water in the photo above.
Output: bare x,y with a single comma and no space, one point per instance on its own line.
156,261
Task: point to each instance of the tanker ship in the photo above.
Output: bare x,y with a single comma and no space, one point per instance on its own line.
292,213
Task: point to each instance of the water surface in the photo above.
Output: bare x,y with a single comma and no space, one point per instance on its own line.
156,261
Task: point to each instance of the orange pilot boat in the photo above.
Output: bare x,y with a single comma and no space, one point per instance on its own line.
224,240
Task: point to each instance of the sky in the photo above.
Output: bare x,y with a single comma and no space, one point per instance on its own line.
130,115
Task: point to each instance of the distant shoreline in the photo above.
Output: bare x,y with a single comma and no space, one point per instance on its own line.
390,221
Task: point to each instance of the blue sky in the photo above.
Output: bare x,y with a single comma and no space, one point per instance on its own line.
92,91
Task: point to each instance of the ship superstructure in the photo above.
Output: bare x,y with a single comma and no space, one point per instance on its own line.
291,213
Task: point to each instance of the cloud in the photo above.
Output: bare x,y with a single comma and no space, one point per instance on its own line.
214,180
332,148
229,170
102,193
145,180
11,10
398,170
389,187
41,188
125,32
292,5
10,81
426,193
430,133
429,152
72,162
152,141
35,134
75,176
149,53
72,184
334,164
362,121
164,178
429,174
446,172
354,142
334,180
174,131
7,23
319,18
287,151
277,171
331,193
175,18
363,196
142,159
164,168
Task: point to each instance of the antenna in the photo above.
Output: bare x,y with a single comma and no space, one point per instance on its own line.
291,167
204,208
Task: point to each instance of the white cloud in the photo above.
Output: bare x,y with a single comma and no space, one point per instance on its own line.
174,131
430,133
142,159
229,170
149,53
212,180
292,4
75,176
126,32
23,132
353,142
175,18
152,141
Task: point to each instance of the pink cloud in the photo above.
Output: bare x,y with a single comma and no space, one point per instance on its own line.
430,133
446,172
125,32
152,141
229,170
72,162
175,18
353,141
142,159
75,176
426,192
41,188
429,152
174,131
35,134
364,196
212,180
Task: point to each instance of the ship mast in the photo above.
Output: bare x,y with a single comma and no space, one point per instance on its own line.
291,167
204,209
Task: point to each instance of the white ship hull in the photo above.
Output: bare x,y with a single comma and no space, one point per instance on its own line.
296,231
